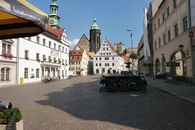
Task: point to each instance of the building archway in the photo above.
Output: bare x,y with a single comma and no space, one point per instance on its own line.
157,66
177,64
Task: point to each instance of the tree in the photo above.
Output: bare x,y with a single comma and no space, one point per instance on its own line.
125,52
133,56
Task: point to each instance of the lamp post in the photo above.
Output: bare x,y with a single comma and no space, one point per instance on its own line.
131,36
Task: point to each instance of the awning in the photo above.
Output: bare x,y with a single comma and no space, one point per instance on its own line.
18,18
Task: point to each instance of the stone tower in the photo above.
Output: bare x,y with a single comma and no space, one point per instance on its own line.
95,34
54,19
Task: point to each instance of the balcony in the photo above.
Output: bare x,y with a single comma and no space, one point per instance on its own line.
7,55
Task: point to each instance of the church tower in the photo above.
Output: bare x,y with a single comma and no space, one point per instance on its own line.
54,19
95,33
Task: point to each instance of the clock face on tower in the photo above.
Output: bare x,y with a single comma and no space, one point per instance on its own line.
51,21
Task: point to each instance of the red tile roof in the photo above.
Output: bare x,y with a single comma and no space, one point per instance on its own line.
76,54
126,58
55,31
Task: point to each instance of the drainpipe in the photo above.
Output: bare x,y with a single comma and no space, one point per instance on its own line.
190,30
17,62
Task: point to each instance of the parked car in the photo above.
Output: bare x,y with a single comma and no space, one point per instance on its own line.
73,74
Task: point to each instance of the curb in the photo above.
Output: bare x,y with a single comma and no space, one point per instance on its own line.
174,94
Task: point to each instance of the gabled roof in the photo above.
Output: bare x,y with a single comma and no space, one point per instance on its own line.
120,43
83,43
110,45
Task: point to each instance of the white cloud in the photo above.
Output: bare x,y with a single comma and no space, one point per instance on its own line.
73,43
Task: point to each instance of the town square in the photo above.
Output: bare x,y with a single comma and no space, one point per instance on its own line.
97,65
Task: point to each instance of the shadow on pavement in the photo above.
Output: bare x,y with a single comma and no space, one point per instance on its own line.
144,111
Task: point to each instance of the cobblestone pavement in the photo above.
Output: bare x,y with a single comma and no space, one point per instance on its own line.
77,104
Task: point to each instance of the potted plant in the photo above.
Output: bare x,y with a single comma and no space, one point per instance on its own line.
6,113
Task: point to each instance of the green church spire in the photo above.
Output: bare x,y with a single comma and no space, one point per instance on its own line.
94,25
54,19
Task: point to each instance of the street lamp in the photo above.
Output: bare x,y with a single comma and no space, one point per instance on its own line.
131,35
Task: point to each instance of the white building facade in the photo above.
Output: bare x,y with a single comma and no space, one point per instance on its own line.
45,55
107,61
8,62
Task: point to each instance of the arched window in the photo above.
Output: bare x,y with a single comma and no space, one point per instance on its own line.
157,65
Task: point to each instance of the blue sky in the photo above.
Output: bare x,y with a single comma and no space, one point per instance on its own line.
114,17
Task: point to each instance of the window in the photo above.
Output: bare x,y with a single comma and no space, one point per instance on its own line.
163,16
185,23
43,42
38,39
9,48
100,64
169,35
29,38
49,44
168,11
158,22
54,59
49,58
37,73
112,58
59,47
26,54
164,40
62,49
176,30
106,64
159,41
174,4
100,58
96,64
37,57
154,27
112,64
5,74
3,48
54,46
96,58
44,58
25,73
106,58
